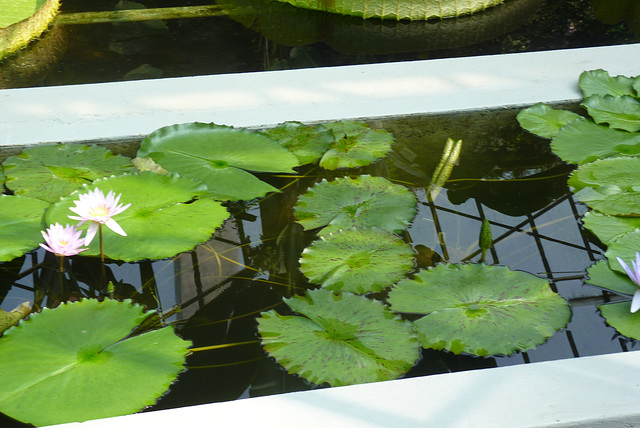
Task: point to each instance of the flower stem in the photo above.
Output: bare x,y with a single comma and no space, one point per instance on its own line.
104,271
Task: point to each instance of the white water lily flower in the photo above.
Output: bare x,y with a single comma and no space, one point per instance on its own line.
63,241
634,275
98,209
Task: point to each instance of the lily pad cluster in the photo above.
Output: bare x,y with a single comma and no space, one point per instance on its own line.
604,145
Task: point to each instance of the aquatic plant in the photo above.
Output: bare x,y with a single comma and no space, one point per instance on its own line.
634,275
20,225
63,241
97,209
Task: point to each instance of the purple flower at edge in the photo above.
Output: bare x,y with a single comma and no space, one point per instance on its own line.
63,241
634,274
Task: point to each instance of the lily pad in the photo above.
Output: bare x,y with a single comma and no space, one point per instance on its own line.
308,143
50,172
609,185
20,225
364,201
620,112
624,247
355,145
357,260
168,215
220,157
599,82
601,275
619,316
339,338
479,309
77,362
608,228
545,121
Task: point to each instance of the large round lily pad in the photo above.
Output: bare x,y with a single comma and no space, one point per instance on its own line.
479,309
20,225
357,260
364,201
219,156
339,338
75,363
50,172
168,215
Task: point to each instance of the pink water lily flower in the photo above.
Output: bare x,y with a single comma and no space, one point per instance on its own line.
63,241
634,275
98,209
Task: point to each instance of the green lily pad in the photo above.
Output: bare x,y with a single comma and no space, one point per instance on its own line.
339,338
619,316
20,225
608,228
609,185
599,82
357,260
601,275
76,362
364,201
624,247
50,172
479,309
355,145
583,141
308,143
545,121
620,112
167,216
220,157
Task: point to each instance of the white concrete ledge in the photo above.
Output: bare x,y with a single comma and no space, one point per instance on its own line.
114,110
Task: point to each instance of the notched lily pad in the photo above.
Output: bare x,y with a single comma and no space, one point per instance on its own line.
357,260
364,201
20,225
608,228
308,143
50,172
620,112
601,275
618,315
624,247
72,363
545,121
599,82
479,309
339,338
355,145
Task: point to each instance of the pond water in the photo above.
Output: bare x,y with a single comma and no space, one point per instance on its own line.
504,175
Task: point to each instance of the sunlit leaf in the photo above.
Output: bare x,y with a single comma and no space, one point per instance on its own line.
545,121
339,338
355,145
219,156
20,225
308,143
601,275
357,260
49,172
624,247
619,316
76,362
168,215
480,309
609,228
620,112
599,82
364,201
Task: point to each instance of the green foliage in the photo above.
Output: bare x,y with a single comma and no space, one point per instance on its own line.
20,225
339,338
77,362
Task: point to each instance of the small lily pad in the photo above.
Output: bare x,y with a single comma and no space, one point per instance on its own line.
364,201
50,172
608,228
545,121
20,225
168,215
601,275
618,315
219,156
620,112
339,338
77,362
308,143
599,82
355,145
624,247
357,260
479,309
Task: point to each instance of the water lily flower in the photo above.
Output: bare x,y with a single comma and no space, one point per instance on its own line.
634,274
98,209
63,241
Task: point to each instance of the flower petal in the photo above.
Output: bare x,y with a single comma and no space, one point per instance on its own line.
91,233
635,302
111,224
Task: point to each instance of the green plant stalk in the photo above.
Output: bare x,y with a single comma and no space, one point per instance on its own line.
486,241
450,156
141,14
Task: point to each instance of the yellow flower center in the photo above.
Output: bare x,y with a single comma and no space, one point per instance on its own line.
99,211
63,242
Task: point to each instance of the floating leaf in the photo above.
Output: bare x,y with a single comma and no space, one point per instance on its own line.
619,316
620,112
308,143
76,362
601,275
50,172
545,121
583,141
480,309
339,338
599,82
355,145
624,247
364,201
609,185
609,228
220,157
357,260
166,216
20,225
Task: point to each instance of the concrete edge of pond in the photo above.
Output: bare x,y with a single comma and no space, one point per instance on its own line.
598,391
588,392
133,109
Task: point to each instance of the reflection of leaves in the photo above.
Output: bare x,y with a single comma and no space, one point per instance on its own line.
479,309
341,339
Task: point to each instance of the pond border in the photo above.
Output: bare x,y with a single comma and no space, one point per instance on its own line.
597,391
